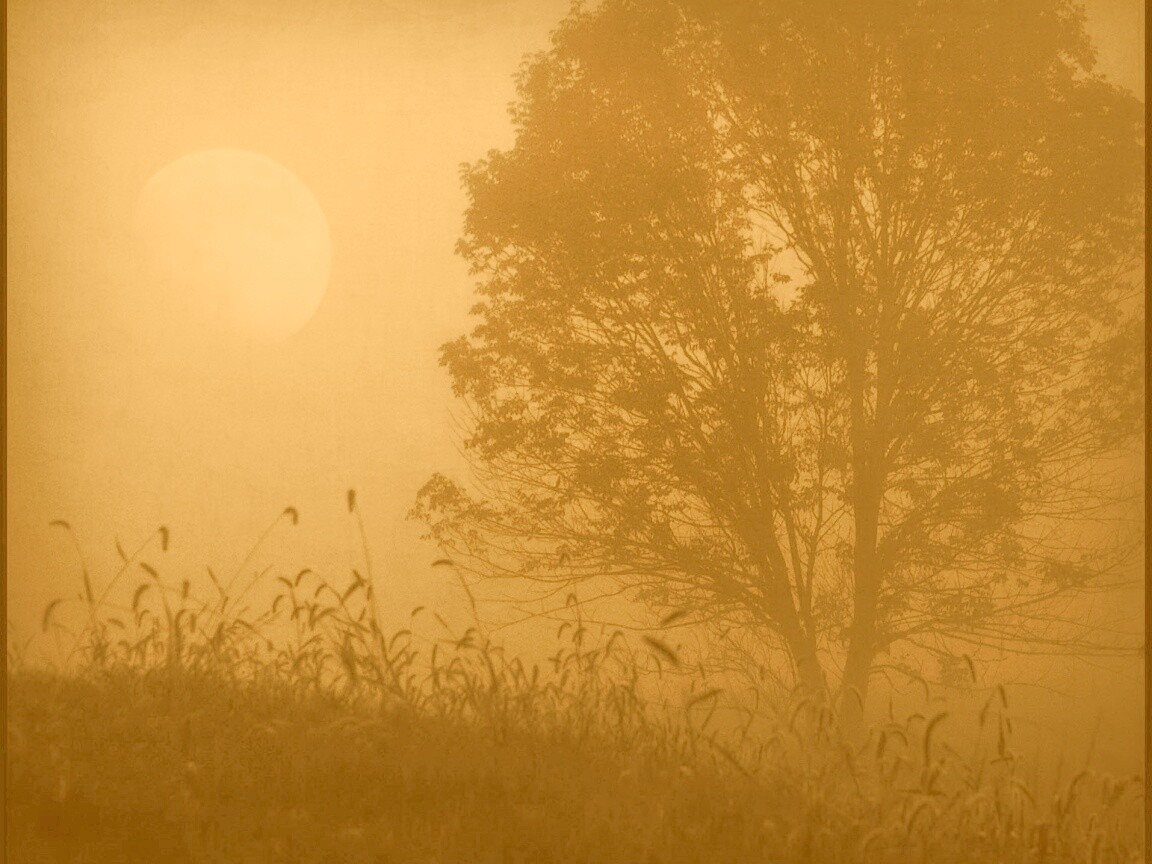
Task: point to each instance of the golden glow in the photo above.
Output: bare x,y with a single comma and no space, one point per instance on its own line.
240,238
230,270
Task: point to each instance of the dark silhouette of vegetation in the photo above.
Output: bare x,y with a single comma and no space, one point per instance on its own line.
820,318
276,721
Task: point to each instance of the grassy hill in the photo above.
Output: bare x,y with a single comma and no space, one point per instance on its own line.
135,768
188,729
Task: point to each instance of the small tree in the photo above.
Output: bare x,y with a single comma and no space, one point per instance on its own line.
815,316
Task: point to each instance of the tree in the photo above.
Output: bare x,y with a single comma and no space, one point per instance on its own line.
816,316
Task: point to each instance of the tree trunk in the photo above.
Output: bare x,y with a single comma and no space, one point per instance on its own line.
862,634
810,680
866,494
809,674
781,613
854,687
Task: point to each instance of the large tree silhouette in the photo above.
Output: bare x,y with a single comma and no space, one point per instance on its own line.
816,316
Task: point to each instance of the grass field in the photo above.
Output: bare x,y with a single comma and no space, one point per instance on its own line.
130,769
199,730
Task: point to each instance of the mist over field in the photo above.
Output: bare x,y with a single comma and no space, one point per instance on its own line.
633,431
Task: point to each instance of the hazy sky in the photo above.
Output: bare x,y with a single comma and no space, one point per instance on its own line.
118,421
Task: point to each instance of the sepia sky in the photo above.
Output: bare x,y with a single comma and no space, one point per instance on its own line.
123,415
120,419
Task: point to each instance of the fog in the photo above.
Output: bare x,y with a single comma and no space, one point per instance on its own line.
123,416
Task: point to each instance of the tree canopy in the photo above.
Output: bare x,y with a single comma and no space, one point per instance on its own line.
818,317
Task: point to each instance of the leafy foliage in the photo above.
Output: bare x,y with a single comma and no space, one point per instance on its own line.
817,317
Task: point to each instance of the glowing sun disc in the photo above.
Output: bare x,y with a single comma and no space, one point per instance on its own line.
238,238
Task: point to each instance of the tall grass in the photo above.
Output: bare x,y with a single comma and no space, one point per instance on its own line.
269,717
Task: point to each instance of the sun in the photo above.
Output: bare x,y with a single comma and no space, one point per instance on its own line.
240,240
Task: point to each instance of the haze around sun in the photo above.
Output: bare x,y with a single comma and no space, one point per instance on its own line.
237,240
